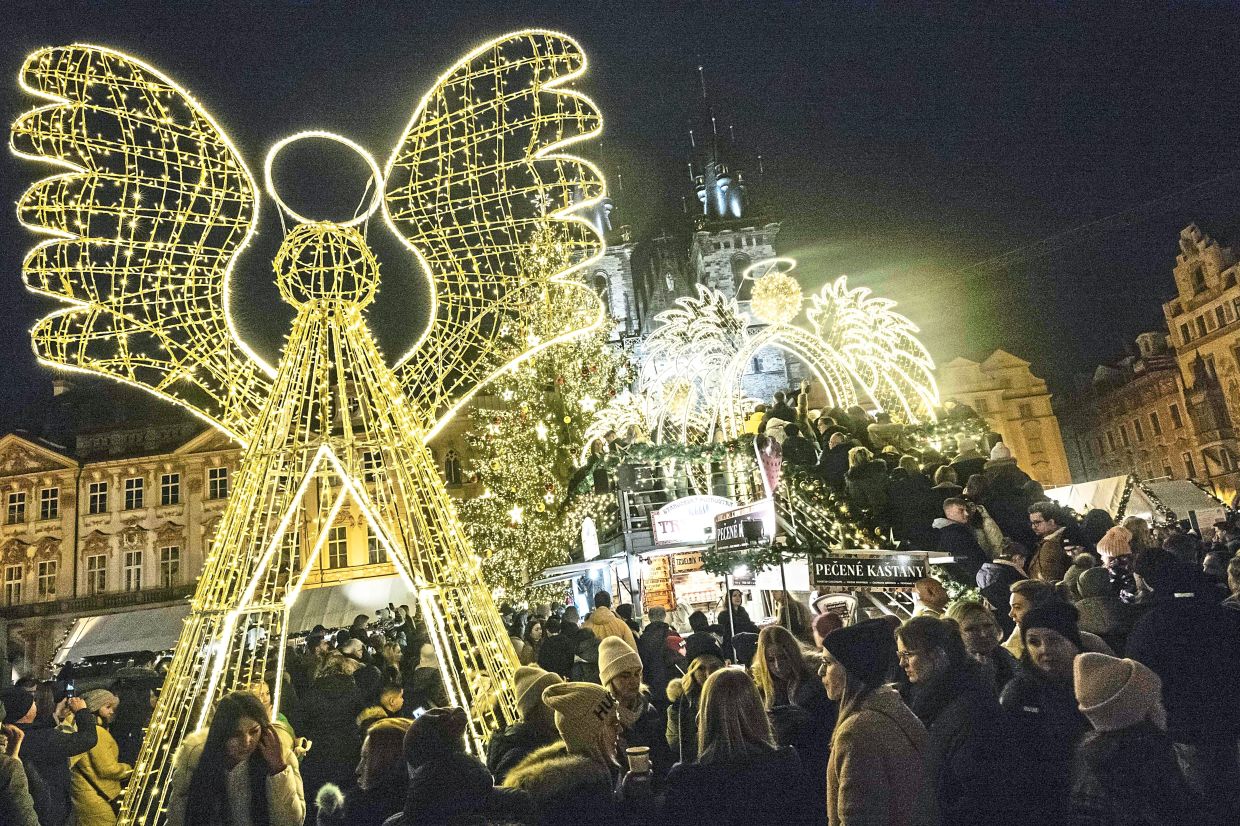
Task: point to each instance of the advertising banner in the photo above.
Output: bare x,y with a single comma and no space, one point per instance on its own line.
844,571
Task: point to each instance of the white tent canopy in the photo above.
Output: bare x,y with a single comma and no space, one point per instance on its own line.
1148,500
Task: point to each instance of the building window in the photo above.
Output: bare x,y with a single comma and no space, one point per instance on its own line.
1186,334
1175,417
96,574
1230,280
1199,280
1123,435
46,584
17,508
601,289
1098,443
13,584
1110,440
743,286
217,483
1025,410
170,489
981,406
169,566
131,574
1190,469
1201,325
134,490
49,503
337,548
1138,429
372,463
1168,472
375,553
1235,308
97,497
1220,312
1036,445
452,469
1155,425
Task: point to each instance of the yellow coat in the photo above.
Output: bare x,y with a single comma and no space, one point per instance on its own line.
100,765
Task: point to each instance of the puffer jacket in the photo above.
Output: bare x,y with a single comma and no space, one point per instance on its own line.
285,801
604,623
101,765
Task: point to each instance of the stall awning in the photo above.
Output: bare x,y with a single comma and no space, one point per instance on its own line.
560,573
335,606
147,629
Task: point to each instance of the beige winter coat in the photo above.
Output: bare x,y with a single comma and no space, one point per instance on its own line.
875,775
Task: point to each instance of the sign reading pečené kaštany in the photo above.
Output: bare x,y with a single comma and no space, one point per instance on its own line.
867,570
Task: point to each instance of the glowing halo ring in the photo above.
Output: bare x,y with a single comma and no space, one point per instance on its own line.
375,174
780,264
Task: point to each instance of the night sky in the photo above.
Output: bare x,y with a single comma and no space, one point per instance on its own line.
905,147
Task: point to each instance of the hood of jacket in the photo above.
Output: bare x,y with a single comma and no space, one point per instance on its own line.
887,702
942,522
552,771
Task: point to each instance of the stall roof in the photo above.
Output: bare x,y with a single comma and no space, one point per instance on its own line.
1145,499
147,629
335,606
560,573
157,629
1182,496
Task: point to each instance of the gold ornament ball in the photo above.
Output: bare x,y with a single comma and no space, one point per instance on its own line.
568,420
776,298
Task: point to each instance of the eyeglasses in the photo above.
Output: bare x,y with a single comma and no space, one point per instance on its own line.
905,656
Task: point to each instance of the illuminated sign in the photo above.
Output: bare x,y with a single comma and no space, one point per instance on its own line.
730,530
690,520
862,571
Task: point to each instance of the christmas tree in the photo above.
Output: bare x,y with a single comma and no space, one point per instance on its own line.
528,436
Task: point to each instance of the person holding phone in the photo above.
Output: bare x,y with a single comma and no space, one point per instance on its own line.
48,746
236,772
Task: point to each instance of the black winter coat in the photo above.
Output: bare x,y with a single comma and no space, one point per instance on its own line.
867,488
914,507
969,736
833,464
424,689
800,451
512,745
658,663
650,730
45,752
1193,645
960,541
556,654
768,787
329,712
1048,726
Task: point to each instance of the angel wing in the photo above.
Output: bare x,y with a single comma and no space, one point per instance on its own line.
878,346
146,225
480,190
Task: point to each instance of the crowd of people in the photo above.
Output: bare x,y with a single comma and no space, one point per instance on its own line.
1091,676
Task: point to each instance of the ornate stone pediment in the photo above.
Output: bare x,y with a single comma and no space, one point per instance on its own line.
133,537
170,532
47,547
97,542
14,551
20,456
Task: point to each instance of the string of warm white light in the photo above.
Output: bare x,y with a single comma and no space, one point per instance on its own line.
146,227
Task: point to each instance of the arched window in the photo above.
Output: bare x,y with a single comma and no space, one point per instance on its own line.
452,469
1199,280
744,289
601,285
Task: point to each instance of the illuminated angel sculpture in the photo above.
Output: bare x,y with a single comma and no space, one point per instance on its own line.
146,225
860,351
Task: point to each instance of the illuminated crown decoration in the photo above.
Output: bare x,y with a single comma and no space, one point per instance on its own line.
146,226
860,350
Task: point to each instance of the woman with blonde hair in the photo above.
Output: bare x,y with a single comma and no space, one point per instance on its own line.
801,713
741,776
685,696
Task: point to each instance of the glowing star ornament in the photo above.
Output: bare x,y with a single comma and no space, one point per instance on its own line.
145,226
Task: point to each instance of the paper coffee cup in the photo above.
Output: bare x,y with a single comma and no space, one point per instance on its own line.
639,759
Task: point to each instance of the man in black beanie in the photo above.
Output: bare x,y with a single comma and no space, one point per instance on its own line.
1193,644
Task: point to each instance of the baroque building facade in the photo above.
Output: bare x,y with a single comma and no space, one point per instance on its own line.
1016,404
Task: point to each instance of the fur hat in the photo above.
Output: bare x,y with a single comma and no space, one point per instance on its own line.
581,711
530,682
1000,451
1115,694
438,732
614,656
15,702
1116,542
1058,616
867,650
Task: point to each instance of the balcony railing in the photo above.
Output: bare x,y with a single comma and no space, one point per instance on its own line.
97,603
